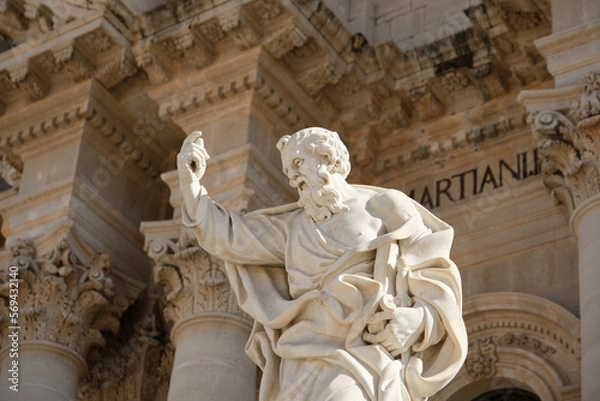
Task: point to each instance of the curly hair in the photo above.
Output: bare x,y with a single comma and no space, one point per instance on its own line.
323,143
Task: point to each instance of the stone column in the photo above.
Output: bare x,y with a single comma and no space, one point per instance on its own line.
63,308
209,331
569,142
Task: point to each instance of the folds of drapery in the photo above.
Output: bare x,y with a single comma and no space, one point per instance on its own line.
327,322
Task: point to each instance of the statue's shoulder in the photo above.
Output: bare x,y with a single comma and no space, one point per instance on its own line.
384,197
389,204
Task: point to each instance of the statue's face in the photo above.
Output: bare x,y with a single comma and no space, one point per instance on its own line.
301,166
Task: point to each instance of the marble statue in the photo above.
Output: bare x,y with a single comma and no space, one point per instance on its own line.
352,290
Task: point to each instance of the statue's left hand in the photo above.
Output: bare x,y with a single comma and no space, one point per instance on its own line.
400,327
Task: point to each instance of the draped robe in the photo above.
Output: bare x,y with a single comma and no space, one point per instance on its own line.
311,298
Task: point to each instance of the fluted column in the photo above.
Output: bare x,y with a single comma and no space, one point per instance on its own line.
209,331
57,310
569,142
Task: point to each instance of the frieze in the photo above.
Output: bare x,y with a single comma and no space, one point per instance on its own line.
510,326
472,182
482,356
460,139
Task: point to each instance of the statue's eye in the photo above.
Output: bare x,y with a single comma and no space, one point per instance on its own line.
298,162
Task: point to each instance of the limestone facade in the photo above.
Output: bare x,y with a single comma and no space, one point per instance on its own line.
484,111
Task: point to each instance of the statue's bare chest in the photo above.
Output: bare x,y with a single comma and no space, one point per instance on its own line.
352,227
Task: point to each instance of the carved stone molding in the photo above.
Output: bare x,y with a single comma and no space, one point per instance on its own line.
192,281
117,69
316,78
481,359
60,299
483,353
240,28
138,368
285,40
27,78
77,65
425,102
588,104
455,81
193,49
267,9
524,341
11,167
152,62
570,157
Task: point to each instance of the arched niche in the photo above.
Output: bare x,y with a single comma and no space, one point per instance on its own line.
518,341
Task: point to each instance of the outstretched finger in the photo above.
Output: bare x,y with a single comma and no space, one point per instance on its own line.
193,138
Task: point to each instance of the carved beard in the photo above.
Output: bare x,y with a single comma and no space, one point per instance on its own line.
318,196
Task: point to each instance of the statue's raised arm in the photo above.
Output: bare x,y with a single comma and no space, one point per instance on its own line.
191,166
352,290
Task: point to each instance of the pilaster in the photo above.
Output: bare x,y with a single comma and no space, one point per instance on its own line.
568,140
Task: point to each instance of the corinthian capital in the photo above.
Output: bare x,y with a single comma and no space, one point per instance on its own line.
570,156
192,281
60,299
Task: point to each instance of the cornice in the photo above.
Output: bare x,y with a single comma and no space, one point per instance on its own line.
569,38
87,103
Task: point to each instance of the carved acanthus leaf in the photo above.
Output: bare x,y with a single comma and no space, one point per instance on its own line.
193,49
284,40
267,9
455,81
28,79
61,299
11,167
152,62
482,355
588,104
191,280
239,27
137,368
425,102
97,41
569,157
212,30
313,80
481,359
116,70
76,64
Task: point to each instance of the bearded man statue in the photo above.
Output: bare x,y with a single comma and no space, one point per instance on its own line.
352,289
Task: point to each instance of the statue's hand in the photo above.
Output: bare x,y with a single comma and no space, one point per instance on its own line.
396,329
191,160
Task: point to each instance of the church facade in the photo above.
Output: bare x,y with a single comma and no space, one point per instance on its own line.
487,112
